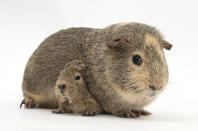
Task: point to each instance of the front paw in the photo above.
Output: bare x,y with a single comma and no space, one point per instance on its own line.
135,113
58,111
144,113
130,114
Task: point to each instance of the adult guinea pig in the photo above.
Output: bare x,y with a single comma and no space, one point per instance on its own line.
126,67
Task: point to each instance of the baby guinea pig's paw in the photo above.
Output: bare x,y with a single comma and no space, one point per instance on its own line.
90,112
58,111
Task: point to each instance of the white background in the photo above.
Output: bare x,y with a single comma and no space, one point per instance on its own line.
24,24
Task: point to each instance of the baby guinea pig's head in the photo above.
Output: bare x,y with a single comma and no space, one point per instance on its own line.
137,64
70,80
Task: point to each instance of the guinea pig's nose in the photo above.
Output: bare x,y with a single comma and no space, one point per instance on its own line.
62,87
154,87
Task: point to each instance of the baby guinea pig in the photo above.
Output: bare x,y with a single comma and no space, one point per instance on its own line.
72,93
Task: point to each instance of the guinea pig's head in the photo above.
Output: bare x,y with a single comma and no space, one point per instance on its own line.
70,80
136,56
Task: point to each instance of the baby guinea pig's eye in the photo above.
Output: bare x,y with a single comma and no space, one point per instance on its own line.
137,60
77,77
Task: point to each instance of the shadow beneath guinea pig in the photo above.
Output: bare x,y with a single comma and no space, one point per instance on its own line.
170,116
155,117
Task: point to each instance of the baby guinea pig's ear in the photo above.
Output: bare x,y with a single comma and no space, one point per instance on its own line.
166,45
79,65
119,42
76,65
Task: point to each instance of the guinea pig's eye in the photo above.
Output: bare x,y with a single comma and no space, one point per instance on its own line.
77,77
137,60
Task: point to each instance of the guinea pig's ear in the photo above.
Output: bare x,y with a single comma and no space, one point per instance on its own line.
166,45
77,65
119,42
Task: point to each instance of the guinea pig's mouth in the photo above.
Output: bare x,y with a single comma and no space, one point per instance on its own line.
62,92
152,94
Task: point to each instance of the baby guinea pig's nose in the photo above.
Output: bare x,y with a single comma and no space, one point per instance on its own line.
154,87
62,87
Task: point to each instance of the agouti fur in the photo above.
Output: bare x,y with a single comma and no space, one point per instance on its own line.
126,66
